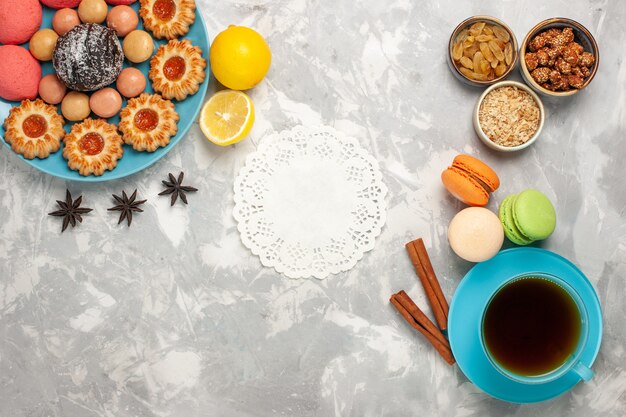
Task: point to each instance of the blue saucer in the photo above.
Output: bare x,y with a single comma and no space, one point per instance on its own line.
132,161
470,299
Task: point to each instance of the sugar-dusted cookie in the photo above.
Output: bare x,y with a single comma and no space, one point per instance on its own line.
34,129
177,69
92,147
148,121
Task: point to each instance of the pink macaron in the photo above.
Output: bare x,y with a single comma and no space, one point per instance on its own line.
18,85
120,2
61,4
19,20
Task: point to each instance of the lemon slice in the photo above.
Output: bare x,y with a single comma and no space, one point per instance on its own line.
227,117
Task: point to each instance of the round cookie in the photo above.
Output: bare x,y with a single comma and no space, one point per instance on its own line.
475,234
92,11
42,44
51,89
88,57
22,84
19,20
61,4
138,46
65,20
120,2
123,20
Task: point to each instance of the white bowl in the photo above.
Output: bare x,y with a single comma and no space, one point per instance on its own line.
491,143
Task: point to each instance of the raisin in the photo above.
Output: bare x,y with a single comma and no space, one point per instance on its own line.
508,53
501,34
467,63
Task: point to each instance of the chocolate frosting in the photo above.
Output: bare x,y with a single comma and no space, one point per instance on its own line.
88,57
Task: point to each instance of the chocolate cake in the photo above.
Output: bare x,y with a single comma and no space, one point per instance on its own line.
88,57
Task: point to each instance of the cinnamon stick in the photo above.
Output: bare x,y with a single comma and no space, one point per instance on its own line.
444,350
419,316
433,300
430,273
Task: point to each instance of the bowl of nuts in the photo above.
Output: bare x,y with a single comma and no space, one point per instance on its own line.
482,50
559,57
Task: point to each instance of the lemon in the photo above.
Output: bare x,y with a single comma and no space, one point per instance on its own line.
239,57
227,117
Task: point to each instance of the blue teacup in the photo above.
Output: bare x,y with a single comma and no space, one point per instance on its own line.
570,363
476,292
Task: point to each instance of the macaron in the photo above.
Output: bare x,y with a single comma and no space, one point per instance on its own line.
19,20
527,217
20,73
505,212
534,215
475,234
470,180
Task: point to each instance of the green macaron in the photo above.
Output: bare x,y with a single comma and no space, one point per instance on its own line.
534,214
506,217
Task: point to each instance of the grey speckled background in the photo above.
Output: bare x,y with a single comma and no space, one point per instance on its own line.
174,317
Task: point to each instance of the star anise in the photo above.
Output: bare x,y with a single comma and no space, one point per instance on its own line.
70,210
127,206
176,188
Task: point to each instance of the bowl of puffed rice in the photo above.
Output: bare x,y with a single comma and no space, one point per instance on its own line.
508,116
558,57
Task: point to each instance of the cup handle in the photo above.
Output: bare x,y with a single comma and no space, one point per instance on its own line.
583,371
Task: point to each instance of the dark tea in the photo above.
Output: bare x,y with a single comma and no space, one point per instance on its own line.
531,326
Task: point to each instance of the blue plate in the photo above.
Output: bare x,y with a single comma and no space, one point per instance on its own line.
132,161
470,300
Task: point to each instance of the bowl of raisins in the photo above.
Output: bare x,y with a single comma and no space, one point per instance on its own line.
558,57
482,51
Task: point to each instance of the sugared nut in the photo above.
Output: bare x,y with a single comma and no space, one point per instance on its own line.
587,59
562,66
548,86
558,81
542,57
577,72
551,33
557,40
575,81
553,52
585,71
531,60
541,75
570,55
578,48
568,33
537,43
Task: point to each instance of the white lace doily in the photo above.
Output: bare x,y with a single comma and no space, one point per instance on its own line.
309,202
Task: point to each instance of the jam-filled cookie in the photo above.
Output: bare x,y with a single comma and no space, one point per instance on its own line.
177,69
167,19
92,147
148,121
34,129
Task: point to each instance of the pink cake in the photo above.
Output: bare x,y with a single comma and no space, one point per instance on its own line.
16,85
19,20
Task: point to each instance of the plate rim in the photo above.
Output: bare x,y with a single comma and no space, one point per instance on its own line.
591,351
164,151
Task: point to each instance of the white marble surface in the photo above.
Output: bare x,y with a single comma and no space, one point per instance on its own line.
174,317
